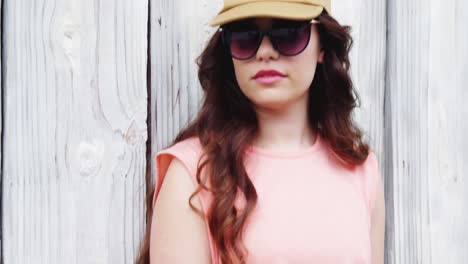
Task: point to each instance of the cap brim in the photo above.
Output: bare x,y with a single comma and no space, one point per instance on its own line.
284,10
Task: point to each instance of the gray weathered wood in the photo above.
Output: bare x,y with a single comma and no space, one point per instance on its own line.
179,30
367,57
75,119
1,147
75,130
427,120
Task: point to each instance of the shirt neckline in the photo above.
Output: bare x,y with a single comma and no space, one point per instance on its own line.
287,154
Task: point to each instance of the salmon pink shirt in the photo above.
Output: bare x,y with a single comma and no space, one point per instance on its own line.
310,208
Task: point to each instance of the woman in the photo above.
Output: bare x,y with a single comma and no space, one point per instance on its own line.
273,169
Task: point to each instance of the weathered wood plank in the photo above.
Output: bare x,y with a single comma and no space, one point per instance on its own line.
179,30
75,130
367,69
407,84
426,80
448,125
1,140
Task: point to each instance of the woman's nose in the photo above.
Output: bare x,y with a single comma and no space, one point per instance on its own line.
266,51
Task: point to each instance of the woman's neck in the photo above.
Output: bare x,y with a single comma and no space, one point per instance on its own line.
286,128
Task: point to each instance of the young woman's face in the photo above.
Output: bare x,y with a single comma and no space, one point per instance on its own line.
298,70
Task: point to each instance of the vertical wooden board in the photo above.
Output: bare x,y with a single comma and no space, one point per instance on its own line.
367,57
427,80
75,130
1,145
179,32
368,30
447,129
408,41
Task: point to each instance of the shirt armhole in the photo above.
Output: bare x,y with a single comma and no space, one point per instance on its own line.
163,159
189,158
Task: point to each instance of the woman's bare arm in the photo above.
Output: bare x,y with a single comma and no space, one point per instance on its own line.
178,234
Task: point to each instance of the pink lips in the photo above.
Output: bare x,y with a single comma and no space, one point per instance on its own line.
268,76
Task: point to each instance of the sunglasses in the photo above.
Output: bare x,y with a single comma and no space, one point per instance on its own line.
242,39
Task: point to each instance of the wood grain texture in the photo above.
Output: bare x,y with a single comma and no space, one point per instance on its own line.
179,31
75,107
447,116
75,130
427,119
1,145
368,29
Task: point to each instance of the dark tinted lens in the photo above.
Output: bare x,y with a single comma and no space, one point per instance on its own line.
243,43
291,40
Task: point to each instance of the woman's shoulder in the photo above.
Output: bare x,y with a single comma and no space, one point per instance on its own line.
188,144
187,151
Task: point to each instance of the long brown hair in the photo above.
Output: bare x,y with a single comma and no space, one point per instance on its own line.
226,124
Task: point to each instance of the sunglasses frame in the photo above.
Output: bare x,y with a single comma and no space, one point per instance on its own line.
264,33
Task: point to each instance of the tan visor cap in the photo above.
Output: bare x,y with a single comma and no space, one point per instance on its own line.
285,9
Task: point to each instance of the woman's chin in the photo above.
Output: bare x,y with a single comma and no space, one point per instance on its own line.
272,103
277,99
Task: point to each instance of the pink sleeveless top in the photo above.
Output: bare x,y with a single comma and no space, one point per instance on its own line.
310,209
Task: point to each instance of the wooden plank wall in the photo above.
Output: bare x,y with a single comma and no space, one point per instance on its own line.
427,121
1,141
75,130
179,30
